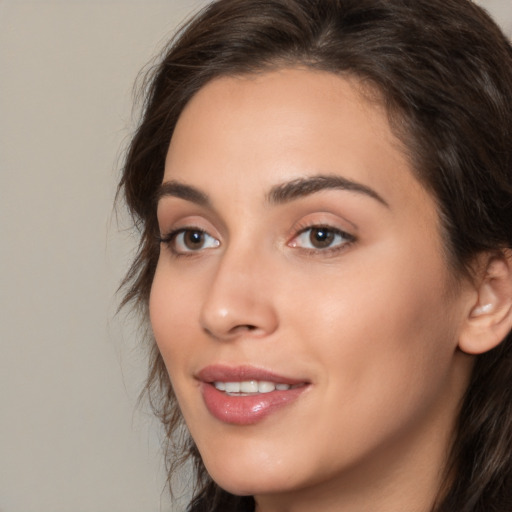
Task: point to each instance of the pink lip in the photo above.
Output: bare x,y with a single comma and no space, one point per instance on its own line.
250,409
216,373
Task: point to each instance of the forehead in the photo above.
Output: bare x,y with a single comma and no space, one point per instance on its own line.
259,130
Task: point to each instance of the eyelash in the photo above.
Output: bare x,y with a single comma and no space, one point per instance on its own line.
170,240
347,240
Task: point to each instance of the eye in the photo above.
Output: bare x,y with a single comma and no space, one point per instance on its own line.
188,240
321,238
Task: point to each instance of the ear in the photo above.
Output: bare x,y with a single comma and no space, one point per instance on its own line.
490,316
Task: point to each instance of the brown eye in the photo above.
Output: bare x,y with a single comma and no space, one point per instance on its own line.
192,240
321,237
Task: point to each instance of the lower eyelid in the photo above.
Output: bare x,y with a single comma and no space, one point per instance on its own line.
347,237
172,240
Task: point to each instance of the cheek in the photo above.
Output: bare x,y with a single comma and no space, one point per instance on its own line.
170,318
170,310
385,331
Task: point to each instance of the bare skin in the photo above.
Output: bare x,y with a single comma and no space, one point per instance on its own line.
298,241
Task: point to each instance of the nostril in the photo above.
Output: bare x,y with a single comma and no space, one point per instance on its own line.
237,329
245,327
227,315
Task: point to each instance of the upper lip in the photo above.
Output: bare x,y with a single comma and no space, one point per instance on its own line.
224,373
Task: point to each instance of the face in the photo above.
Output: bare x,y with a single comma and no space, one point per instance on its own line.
302,303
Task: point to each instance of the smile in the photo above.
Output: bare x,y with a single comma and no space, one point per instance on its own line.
250,387
245,395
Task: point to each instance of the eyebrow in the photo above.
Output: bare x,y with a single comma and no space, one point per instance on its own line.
279,194
301,187
188,193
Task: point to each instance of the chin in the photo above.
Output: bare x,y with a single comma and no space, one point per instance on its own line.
251,476
250,485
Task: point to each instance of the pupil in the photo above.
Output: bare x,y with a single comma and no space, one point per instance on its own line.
194,239
321,237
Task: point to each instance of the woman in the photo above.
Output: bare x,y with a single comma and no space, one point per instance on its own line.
324,193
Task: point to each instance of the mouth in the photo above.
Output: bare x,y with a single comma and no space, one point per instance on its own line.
252,387
246,395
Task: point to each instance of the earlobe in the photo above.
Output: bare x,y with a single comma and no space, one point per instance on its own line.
490,318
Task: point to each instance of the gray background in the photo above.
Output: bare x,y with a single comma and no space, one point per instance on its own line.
71,437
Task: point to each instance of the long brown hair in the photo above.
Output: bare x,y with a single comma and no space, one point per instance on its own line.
444,72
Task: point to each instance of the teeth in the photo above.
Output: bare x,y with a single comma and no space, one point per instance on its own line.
233,387
250,387
266,387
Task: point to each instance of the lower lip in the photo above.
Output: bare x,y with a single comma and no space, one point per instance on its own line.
249,409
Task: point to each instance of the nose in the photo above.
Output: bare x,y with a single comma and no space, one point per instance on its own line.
239,301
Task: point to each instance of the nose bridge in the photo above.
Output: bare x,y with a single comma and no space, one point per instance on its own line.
239,299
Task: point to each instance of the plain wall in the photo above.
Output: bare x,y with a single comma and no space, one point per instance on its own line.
71,438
